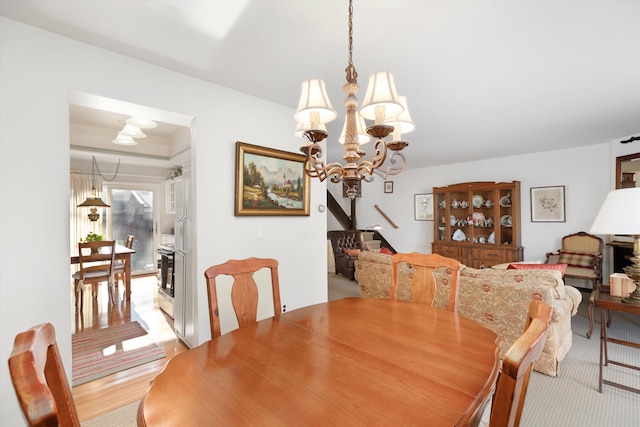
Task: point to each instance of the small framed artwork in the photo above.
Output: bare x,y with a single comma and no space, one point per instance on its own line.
270,182
547,204
388,186
423,207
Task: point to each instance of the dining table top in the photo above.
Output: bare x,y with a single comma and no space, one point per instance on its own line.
353,361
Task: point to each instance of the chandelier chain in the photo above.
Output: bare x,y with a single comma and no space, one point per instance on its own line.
352,74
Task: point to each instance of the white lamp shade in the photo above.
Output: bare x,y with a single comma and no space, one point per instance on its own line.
363,136
381,92
132,131
620,213
124,140
314,99
301,128
404,119
141,122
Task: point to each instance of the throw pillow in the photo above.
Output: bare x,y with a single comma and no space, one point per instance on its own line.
575,259
560,267
352,252
385,250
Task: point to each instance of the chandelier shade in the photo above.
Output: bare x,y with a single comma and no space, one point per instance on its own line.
314,106
381,101
361,126
402,123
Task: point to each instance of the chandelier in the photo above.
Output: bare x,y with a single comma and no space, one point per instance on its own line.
381,103
94,201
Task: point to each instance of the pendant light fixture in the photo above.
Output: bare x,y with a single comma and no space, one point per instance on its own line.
94,201
381,103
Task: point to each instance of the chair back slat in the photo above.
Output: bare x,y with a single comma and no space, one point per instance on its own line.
39,379
423,283
244,291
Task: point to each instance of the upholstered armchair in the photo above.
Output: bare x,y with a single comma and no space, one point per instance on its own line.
582,252
346,245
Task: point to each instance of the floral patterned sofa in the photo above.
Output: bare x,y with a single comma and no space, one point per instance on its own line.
495,298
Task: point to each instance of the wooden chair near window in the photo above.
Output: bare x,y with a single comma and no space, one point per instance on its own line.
423,283
244,291
118,268
96,262
511,388
39,379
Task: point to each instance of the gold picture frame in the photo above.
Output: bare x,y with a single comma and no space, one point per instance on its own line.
270,182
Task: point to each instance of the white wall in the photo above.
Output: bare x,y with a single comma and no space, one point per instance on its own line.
586,173
37,72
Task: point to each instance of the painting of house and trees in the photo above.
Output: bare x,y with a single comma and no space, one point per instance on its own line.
270,182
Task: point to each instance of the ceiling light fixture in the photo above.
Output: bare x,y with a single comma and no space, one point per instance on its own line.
94,201
133,129
381,103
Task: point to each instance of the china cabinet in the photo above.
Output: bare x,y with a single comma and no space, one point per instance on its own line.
478,223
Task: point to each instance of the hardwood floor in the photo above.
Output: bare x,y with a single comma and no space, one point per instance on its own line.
119,389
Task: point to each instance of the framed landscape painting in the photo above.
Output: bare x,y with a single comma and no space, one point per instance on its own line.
547,204
270,182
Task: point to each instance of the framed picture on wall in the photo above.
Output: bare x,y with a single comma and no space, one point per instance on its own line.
547,204
423,207
388,186
270,182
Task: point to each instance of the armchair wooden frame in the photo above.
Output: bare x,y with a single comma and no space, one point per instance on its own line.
39,379
581,243
511,389
244,293
423,285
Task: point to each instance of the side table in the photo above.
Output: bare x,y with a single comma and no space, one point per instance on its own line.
606,302
602,288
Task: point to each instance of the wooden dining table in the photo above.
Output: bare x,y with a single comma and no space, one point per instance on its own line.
352,361
124,253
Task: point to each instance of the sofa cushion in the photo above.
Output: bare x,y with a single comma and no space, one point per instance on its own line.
517,266
575,259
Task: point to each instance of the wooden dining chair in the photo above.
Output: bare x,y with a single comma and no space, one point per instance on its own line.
511,389
423,283
39,379
118,268
244,291
96,262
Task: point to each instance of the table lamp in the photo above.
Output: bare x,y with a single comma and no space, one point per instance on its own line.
620,214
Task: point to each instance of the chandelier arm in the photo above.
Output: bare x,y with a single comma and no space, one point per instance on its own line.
397,164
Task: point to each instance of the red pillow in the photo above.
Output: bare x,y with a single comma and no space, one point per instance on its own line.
352,252
560,267
385,250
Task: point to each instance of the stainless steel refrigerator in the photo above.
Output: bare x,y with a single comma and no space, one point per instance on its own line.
183,304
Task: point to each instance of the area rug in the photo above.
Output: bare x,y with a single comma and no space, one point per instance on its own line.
101,352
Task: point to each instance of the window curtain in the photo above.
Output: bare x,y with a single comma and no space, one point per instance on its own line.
80,226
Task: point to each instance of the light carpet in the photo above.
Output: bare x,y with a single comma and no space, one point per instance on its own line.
102,352
121,417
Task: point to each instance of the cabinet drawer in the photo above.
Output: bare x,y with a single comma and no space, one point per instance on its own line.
487,254
449,251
